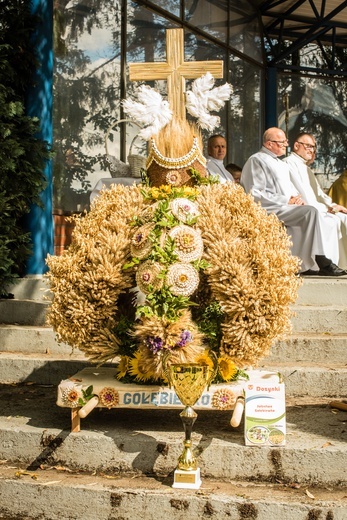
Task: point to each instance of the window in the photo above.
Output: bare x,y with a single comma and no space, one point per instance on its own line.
94,41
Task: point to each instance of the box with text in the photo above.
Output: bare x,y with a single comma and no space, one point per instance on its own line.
265,413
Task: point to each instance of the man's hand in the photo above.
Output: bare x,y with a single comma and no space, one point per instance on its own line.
297,200
336,208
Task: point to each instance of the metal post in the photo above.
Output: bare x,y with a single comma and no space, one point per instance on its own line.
39,104
271,97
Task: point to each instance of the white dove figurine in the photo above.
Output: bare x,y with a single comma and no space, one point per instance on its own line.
150,111
203,98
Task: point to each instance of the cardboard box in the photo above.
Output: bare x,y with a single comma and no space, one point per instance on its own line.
265,413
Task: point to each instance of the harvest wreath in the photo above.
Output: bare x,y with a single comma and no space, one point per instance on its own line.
179,263
174,267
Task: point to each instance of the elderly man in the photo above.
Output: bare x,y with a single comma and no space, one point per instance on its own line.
305,182
267,178
217,149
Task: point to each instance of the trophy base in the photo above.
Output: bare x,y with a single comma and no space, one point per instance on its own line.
187,479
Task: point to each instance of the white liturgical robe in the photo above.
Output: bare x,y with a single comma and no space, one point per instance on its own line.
216,167
267,178
307,185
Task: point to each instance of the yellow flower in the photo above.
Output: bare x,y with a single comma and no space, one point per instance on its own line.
166,188
155,193
204,359
136,369
190,192
122,367
227,368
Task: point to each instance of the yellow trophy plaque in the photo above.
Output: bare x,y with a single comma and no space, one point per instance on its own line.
189,381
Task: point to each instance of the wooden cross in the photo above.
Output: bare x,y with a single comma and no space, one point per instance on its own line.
175,70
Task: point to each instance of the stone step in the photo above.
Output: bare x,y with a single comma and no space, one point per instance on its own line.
316,379
23,312
43,369
306,318
29,339
68,496
318,318
32,287
32,297
305,347
35,432
315,290
300,346
318,290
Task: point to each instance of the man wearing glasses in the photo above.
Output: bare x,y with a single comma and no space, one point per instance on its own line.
266,176
304,180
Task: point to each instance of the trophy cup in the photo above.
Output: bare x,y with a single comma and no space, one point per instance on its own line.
189,381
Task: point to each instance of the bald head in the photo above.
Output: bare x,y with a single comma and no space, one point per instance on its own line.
274,139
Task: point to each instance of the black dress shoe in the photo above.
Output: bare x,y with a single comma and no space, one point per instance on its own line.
309,272
332,270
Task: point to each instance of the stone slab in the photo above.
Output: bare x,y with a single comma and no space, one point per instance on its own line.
35,432
60,495
305,347
23,312
29,339
316,380
317,318
322,290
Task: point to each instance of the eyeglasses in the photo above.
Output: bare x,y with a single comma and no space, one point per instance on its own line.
279,142
307,146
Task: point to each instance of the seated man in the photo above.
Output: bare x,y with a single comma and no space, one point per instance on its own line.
217,149
307,185
267,178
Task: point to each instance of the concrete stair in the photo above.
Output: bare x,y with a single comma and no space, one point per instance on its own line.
120,465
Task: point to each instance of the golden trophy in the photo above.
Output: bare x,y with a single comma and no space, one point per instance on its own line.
189,381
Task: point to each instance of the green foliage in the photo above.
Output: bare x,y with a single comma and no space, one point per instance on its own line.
200,180
87,395
210,324
22,154
164,303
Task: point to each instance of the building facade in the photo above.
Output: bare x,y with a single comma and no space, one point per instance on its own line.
88,45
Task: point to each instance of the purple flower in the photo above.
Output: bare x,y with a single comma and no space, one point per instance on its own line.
186,337
154,343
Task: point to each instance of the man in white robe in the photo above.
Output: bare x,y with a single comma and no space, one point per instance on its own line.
267,178
306,183
217,149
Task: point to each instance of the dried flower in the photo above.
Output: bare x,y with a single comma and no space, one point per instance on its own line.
223,399
182,278
70,397
188,243
141,243
147,276
108,397
173,178
184,209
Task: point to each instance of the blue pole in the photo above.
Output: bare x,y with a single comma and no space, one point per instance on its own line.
271,97
39,104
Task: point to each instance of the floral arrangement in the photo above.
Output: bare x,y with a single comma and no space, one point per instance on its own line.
184,269
179,264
